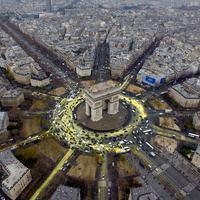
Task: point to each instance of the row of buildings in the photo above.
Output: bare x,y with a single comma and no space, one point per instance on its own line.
173,59
10,6
187,95
19,65
12,97
73,37
15,176
26,7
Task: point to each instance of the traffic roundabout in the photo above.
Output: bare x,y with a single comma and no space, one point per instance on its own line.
72,127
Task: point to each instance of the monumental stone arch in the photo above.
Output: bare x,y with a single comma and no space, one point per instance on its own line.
102,96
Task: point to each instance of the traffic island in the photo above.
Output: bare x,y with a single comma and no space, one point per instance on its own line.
107,123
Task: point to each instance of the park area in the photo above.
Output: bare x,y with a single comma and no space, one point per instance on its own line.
30,126
50,148
135,89
39,104
88,83
159,104
165,143
85,168
58,91
165,122
125,168
168,122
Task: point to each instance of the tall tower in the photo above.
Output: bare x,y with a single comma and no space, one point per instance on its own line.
48,6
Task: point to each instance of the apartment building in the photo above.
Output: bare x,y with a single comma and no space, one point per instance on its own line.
65,192
82,70
192,85
12,98
2,90
17,175
196,157
22,75
117,71
36,69
185,99
3,121
40,81
196,120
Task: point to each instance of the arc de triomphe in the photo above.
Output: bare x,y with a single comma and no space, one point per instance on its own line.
102,96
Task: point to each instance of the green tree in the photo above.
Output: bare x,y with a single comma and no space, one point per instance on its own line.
122,158
10,76
136,183
27,156
98,158
28,153
38,116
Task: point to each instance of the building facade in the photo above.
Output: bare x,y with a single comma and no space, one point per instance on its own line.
22,75
4,121
12,98
196,157
102,96
185,99
65,192
83,70
2,90
36,69
150,78
18,176
117,72
192,85
196,120
40,81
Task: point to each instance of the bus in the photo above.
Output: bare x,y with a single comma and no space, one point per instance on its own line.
164,92
192,135
168,110
146,131
60,113
149,145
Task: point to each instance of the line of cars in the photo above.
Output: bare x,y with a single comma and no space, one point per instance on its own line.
139,133
66,164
